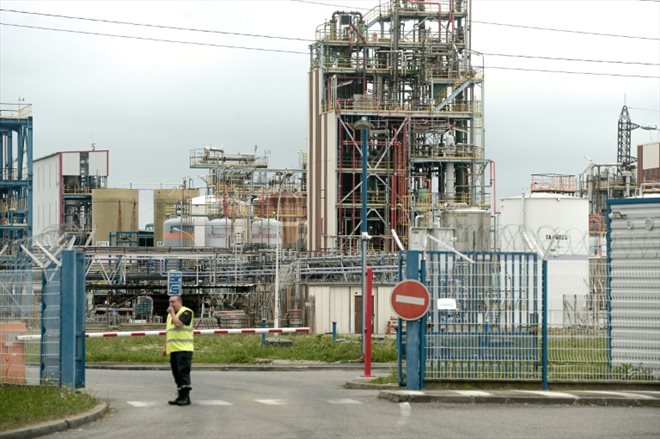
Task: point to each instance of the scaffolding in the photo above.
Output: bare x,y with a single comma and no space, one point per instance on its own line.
15,174
407,67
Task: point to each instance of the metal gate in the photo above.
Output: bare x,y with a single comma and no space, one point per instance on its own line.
493,331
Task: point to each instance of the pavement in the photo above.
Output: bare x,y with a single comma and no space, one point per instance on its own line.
615,394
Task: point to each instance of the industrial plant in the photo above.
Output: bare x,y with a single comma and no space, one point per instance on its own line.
396,160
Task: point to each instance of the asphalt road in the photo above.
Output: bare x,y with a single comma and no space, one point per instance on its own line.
313,404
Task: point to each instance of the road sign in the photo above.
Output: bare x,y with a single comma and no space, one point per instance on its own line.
174,283
410,299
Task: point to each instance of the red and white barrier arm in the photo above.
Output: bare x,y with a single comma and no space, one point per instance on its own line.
229,331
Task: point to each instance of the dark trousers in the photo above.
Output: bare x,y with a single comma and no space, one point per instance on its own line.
181,362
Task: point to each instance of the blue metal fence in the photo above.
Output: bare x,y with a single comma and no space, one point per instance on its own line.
493,333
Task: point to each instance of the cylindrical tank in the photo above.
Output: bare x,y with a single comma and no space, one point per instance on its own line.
178,232
471,228
219,233
555,224
200,223
241,227
266,232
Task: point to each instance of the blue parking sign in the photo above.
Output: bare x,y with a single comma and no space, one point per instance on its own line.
174,283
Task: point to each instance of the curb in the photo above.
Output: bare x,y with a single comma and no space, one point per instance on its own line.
399,396
72,421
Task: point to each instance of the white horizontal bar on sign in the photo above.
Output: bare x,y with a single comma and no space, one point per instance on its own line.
229,331
409,299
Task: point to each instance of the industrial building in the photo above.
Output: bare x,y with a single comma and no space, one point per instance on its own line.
63,185
408,69
16,179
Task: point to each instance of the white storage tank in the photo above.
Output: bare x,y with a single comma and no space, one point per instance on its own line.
555,226
200,223
178,232
219,233
266,232
241,228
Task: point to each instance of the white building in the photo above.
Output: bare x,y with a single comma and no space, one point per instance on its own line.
63,184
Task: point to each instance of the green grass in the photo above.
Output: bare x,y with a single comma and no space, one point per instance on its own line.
243,349
24,405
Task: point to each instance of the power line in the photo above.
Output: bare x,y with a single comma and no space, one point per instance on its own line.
581,32
227,46
573,72
570,59
162,40
156,26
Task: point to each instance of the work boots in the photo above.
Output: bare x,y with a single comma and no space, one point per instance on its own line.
184,398
178,398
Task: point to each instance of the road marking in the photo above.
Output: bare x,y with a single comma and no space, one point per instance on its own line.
410,299
344,401
214,402
271,401
473,393
550,394
142,403
623,394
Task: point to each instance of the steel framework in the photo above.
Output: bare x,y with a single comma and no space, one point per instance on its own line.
406,67
15,173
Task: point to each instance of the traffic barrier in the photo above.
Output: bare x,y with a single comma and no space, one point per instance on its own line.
229,331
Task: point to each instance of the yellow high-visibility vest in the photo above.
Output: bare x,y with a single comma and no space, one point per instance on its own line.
179,339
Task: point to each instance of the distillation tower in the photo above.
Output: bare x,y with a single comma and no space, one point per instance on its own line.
407,68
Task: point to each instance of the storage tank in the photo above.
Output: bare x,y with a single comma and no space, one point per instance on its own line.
471,228
178,232
165,201
241,228
219,233
555,226
287,207
200,224
266,232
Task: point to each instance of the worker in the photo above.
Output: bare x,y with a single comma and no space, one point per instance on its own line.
179,346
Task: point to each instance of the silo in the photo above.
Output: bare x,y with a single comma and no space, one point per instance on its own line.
266,232
114,210
555,226
471,228
219,233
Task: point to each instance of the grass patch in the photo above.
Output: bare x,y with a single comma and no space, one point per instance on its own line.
242,349
25,405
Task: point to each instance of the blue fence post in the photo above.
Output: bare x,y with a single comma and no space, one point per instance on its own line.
544,324
263,336
413,331
72,320
334,332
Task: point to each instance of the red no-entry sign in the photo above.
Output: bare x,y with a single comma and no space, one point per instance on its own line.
410,299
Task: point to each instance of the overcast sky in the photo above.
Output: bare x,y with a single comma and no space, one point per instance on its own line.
150,102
